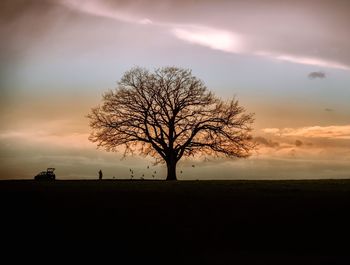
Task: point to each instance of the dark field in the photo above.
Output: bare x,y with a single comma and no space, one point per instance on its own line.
219,222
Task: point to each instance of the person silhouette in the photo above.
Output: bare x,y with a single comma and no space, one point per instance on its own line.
100,175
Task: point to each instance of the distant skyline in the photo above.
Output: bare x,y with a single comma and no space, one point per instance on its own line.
286,61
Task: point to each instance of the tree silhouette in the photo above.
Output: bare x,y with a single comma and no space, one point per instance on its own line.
169,114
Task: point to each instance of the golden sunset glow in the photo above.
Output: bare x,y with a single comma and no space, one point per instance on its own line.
329,132
286,61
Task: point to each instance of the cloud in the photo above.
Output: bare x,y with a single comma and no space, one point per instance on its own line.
298,143
314,75
225,27
329,132
303,60
73,140
57,133
266,142
311,61
271,130
100,9
213,38
328,109
145,21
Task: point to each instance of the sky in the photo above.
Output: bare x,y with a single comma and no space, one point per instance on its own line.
286,61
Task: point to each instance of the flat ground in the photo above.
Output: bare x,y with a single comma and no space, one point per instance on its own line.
286,222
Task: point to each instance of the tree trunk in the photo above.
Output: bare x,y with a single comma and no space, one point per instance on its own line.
171,165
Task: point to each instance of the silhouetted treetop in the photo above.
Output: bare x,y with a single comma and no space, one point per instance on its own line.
168,114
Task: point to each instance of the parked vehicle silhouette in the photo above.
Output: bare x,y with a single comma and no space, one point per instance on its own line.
46,175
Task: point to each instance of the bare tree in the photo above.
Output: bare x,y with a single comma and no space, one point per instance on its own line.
170,114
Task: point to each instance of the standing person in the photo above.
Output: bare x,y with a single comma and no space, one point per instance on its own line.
100,175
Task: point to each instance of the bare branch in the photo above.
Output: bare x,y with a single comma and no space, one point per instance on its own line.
169,114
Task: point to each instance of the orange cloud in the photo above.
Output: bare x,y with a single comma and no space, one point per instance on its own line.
330,132
73,140
55,133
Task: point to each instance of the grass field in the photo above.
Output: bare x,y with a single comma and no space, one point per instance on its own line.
288,222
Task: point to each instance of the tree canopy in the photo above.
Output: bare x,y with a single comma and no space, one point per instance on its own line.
169,114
